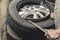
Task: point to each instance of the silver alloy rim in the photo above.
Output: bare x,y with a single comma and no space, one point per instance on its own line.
34,12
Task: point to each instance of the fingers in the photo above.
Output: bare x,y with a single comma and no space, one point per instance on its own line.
52,15
47,35
51,34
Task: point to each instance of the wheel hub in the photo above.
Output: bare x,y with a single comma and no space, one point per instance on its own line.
34,12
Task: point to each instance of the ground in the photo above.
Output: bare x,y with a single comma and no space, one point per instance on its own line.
3,11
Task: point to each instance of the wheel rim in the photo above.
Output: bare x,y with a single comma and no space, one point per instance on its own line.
34,12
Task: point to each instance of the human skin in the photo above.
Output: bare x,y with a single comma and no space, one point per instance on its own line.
52,15
52,33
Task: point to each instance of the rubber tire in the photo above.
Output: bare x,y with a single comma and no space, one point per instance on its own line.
20,25
9,37
51,1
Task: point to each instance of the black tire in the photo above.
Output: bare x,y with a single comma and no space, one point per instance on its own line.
9,37
20,25
51,1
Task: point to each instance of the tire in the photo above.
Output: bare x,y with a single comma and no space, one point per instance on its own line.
9,37
20,25
51,1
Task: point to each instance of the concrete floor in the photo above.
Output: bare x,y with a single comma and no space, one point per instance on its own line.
3,11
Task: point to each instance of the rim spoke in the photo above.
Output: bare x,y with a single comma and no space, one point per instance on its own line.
21,13
35,16
40,14
45,12
29,8
26,14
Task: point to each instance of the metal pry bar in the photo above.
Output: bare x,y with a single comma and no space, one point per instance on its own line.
37,26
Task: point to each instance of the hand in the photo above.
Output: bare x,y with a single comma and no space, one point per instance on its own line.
51,34
52,15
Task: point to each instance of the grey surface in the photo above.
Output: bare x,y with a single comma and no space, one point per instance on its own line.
3,11
57,14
